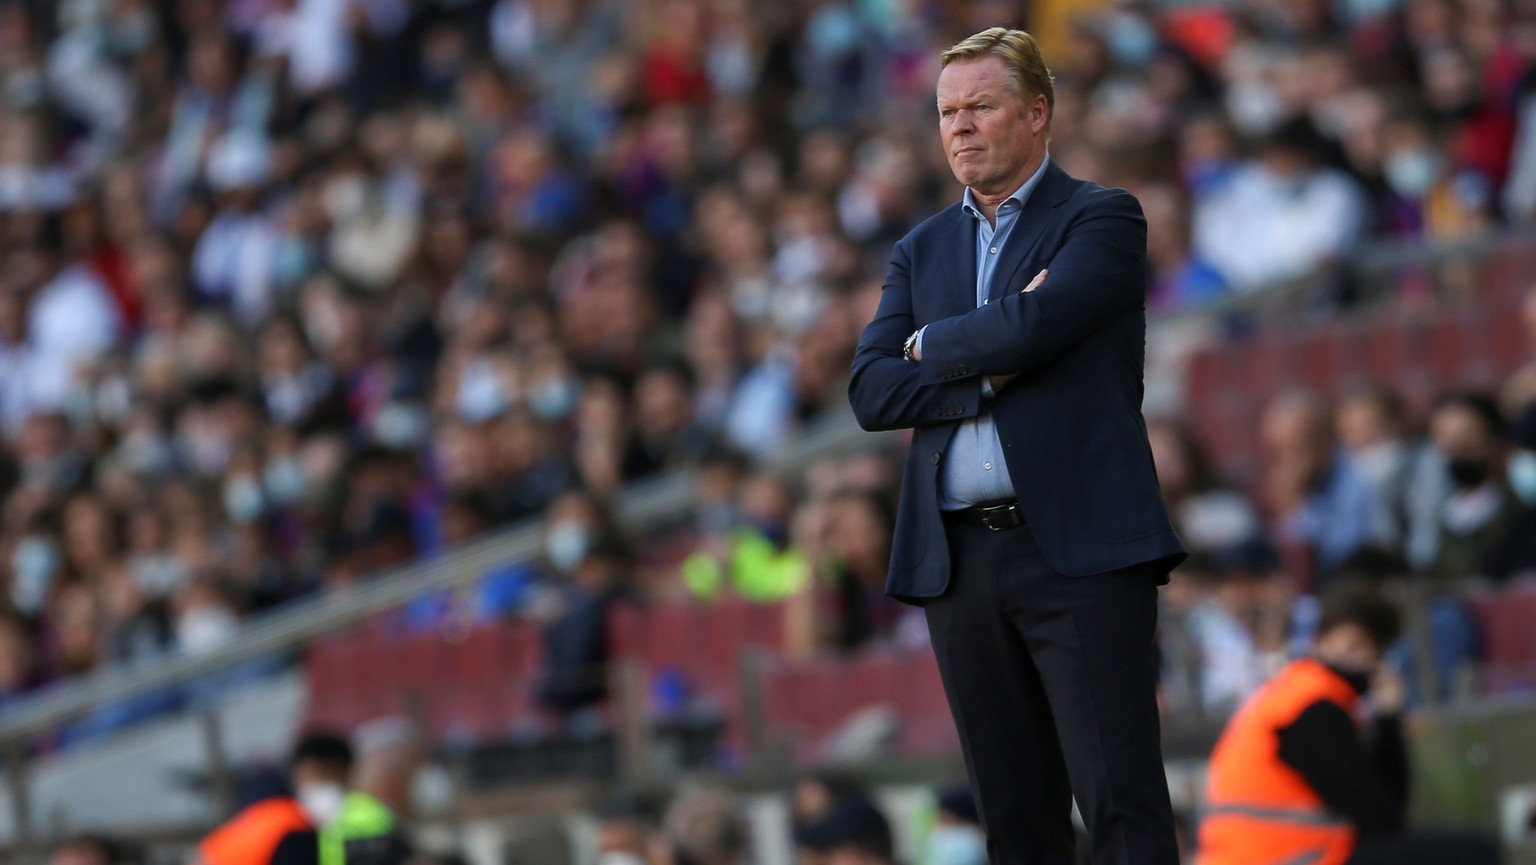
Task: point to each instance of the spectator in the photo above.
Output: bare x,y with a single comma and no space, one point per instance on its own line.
703,828
756,559
576,631
1281,216
853,832
957,838
1320,498
1373,429
1181,279
1207,515
90,850
1477,521
627,832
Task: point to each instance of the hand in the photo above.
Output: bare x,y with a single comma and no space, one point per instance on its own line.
1389,693
1038,281
999,381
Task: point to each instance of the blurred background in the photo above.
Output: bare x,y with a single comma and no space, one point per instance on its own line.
468,377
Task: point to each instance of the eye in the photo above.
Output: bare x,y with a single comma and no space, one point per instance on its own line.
946,112
983,108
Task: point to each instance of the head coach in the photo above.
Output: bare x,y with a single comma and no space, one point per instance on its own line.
1011,338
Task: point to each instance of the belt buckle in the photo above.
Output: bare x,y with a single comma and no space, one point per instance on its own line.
999,511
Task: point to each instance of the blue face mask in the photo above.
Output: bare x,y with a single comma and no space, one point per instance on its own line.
243,499
34,562
553,399
284,480
957,845
1522,476
566,545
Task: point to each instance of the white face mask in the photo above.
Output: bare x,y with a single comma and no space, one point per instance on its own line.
321,802
957,845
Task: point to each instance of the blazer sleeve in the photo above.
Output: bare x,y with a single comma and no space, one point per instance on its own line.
886,389
1098,274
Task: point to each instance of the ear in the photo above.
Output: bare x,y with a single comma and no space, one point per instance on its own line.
1039,113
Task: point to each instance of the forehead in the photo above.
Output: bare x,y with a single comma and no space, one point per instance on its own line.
966,79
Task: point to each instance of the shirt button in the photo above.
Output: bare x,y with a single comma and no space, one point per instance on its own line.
987,466
994,250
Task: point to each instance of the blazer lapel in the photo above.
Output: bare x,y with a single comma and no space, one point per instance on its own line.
1055,187
959,245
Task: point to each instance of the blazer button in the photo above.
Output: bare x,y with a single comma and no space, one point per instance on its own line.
935,457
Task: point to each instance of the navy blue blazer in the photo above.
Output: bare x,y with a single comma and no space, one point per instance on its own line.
1070,423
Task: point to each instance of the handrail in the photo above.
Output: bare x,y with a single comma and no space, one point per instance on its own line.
1367,262
638,507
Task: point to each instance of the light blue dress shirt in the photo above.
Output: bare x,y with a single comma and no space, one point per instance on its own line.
973,471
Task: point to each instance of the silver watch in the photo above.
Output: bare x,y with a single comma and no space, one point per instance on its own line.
910,346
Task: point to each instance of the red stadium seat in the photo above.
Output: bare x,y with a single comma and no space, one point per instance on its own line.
1508,617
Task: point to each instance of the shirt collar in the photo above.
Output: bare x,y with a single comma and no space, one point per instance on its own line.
1020,195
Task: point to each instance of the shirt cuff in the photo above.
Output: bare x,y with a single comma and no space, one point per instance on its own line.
920,338
986,387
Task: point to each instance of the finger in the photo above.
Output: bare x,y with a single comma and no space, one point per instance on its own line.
1036,282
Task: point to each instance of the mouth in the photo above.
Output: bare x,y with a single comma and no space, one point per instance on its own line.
966,150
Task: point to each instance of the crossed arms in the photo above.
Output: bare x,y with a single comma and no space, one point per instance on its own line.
1097,273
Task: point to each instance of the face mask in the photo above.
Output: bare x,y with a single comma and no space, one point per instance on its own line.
553,398
293,261
321,802
1379,462
1522,476
58,473
481,394
957,845
243,499
284,480
204,628
34,561
145,454
1359,680
1131,40
401,426
567,545
1411,173
159,574
132,34
1468,474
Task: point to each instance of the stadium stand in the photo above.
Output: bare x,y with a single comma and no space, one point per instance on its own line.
297,295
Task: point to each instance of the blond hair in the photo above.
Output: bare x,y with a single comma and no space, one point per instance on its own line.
1019,52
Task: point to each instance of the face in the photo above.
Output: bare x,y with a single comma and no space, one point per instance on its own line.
993,138
1349,647
1460,434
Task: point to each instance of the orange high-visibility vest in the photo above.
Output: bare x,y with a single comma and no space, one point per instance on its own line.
252,836
1258,810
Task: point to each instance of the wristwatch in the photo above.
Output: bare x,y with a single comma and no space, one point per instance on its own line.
910,346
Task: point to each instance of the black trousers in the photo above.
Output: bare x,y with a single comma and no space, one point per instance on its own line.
1427,848
1052,683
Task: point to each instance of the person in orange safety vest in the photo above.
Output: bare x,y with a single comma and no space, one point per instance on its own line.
261,833
1294,780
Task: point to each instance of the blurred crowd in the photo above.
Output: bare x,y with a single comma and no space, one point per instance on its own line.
832,819
1436,506
294,291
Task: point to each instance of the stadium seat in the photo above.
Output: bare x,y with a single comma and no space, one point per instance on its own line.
1508,618
808,701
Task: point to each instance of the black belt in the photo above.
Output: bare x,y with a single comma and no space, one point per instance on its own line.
995,517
